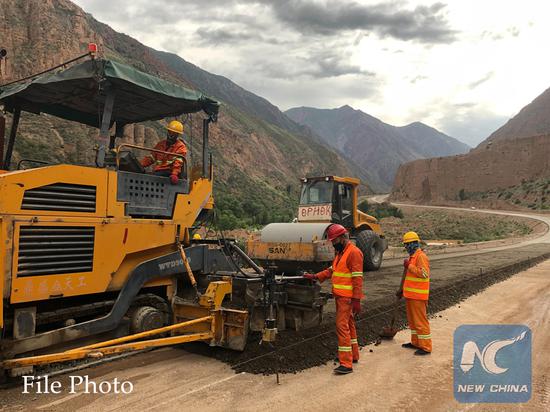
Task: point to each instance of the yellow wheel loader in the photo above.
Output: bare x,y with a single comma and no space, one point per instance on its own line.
303,246
99,259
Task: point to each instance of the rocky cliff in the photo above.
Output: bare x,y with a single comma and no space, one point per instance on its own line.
495,168
259,153
377,147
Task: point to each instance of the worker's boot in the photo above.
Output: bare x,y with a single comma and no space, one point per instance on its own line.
342,370
408,345
421,352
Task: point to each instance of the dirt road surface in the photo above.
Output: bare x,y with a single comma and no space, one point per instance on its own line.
455,276
540,236
377,198
387,378
545,218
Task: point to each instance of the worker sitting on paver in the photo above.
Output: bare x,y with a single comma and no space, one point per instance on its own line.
168,165
346,273
415,287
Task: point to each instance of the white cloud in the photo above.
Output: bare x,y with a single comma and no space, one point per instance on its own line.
463,66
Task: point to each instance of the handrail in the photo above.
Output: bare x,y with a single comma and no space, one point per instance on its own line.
148,149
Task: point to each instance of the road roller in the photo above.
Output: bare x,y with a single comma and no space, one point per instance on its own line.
302,245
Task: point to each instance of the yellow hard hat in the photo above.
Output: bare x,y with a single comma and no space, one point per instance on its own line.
196,236
175,126
411,237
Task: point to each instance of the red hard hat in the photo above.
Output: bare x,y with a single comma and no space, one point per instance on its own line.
335,231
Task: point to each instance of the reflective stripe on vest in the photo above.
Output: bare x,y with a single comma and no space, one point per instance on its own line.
342,287
415,279
169,162
417,287
415,290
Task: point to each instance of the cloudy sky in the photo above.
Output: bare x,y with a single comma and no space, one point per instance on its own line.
462,66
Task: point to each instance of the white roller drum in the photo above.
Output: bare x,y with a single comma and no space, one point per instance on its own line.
293,232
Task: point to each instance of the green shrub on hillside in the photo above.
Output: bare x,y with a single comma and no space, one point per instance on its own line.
249,203
447,225
234,212
380,210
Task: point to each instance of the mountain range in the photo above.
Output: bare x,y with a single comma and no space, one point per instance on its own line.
532,120
509,170
259,152
377,147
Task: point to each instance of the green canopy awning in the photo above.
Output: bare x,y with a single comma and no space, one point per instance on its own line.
78,94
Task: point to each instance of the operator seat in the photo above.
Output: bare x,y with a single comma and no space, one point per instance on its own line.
129,163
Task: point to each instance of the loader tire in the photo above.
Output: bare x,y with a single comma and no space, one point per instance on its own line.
372,247
145,318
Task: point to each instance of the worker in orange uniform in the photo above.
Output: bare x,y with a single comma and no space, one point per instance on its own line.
168,165
346,274
415,287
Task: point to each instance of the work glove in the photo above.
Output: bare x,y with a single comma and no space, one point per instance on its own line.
399,294
356,306
406,263
309,276
174,179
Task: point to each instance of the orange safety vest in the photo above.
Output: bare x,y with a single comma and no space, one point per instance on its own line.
417,281
165,161
342,274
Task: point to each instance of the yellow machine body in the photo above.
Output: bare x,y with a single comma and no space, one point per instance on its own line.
313,251
359,220
120,242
